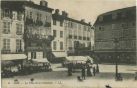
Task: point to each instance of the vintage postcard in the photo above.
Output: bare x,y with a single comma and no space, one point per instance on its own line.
68,44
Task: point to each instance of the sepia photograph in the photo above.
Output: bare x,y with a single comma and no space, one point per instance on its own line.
68,44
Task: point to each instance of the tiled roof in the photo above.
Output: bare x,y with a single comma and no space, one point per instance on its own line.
130,14
60,17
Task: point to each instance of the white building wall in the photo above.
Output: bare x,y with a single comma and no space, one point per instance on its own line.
12,34
58,39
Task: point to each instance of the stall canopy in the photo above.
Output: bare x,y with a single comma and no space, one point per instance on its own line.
10,57
79,58
43,60
60,54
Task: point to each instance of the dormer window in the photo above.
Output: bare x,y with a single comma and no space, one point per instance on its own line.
114,16
123,15
101,28
101,18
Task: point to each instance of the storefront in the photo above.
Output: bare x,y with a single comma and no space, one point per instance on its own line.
58,56
12,63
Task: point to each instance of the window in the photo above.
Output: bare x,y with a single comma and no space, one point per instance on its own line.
6,13
31,15
84,28
54,22
6,27
61,34
101,18
6,44
124,25
33,55
38,16
133,24
19,29
123,15
18,45
79,26
54,45
54,33
61,45
101,28
61,23
114,15
113,26
19,16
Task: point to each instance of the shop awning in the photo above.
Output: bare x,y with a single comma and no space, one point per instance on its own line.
79,58
43,60
10,57
59,54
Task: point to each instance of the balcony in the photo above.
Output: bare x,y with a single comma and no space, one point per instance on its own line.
5,51
19,50
9,52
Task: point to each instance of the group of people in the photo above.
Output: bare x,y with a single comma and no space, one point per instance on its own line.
87,69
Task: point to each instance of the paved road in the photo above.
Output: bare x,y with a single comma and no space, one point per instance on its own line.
106,76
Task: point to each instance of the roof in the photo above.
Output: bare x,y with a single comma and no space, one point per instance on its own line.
77,21
61,18
18,5
129,12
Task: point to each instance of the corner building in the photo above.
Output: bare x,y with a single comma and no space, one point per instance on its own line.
121,25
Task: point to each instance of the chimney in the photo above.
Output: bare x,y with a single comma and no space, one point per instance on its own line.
82,20
65,14
57,11
44,3
89,23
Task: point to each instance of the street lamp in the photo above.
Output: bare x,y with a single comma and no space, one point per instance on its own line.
116,58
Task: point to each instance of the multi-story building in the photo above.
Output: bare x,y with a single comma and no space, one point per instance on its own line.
58,44
37,27
11,34
79,36
115,36
38,30
71,36
40,27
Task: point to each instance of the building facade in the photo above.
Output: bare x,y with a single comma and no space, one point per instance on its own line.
79,37
58,44
34,27
42,34
11,34
72,37
117,25
37,30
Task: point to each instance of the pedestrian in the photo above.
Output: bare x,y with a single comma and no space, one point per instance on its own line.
97,68
88,71
83,72
69,70
94,71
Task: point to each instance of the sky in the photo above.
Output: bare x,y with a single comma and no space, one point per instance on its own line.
87,9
